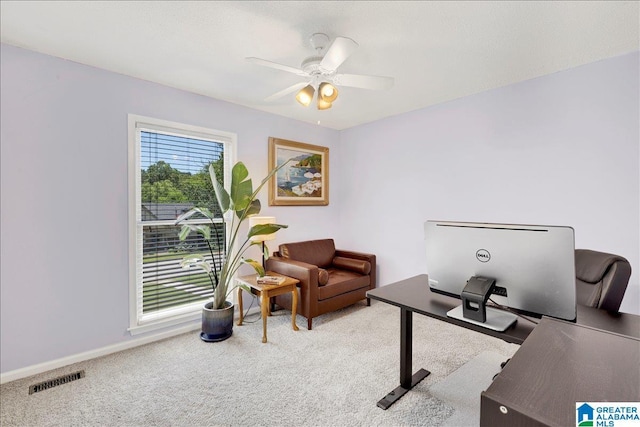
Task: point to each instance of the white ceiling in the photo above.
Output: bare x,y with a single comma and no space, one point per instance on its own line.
436,51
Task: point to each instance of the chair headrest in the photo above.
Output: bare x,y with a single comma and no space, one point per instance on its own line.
591,266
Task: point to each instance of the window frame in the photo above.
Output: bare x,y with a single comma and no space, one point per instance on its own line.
136,124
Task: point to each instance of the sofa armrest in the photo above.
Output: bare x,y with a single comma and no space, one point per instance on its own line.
306,273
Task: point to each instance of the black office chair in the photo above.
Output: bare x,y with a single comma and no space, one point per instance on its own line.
601,279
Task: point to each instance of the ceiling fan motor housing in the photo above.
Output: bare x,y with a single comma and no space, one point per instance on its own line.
311,66
319,41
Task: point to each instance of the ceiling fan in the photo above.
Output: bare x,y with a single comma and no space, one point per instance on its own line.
320,73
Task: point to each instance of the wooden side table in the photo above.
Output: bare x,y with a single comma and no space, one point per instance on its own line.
265,293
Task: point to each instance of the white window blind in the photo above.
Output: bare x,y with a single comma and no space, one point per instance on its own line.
172,176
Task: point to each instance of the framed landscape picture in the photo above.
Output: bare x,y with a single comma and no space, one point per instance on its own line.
304,180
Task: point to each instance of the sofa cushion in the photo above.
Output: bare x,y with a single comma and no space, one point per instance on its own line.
357,265
340,282
315,252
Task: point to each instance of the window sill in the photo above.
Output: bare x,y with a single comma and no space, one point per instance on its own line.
154,325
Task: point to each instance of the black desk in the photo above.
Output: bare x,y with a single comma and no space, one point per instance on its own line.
558,365
413,295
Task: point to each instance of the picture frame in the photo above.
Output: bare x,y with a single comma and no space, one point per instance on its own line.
304,181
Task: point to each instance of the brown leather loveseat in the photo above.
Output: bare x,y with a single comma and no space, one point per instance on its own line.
330,278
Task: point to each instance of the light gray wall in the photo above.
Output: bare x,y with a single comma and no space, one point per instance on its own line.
560,150
64,287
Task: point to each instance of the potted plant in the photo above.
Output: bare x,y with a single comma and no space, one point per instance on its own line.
236,206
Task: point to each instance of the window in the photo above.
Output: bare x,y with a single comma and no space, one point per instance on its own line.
168,175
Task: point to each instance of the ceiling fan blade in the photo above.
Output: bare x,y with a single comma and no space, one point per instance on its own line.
364,82
286,91
277,66
338,52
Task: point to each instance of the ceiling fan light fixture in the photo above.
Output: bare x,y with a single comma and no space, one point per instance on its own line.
305,95
321,72
322,104
327,92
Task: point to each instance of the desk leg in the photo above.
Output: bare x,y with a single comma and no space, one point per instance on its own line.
407,381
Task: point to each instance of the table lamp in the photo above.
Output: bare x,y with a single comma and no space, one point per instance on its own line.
255,220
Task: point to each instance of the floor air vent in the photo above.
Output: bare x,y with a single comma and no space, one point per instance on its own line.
56,382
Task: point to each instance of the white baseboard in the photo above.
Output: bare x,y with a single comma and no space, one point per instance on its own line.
99,352
92,354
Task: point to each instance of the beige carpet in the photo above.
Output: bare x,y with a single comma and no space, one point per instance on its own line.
330,376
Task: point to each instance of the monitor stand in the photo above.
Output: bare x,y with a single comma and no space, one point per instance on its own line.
474,306
496,319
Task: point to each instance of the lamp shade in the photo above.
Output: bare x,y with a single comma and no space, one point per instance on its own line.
323,105
327,92
305,95
256,220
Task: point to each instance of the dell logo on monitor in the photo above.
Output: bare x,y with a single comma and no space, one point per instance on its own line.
483,255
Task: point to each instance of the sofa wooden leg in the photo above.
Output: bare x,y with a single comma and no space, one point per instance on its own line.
368,302
309,320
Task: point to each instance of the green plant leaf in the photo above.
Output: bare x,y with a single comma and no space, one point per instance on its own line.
241,195
262,229
184,232
221,194
186,229
203,211
255,264
239,172
185,215
205,230
195,260
253,209
241,187
192,257
204,265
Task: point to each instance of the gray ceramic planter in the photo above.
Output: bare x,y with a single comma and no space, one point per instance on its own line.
217,324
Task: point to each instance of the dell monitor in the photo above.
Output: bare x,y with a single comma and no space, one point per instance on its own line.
529,269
